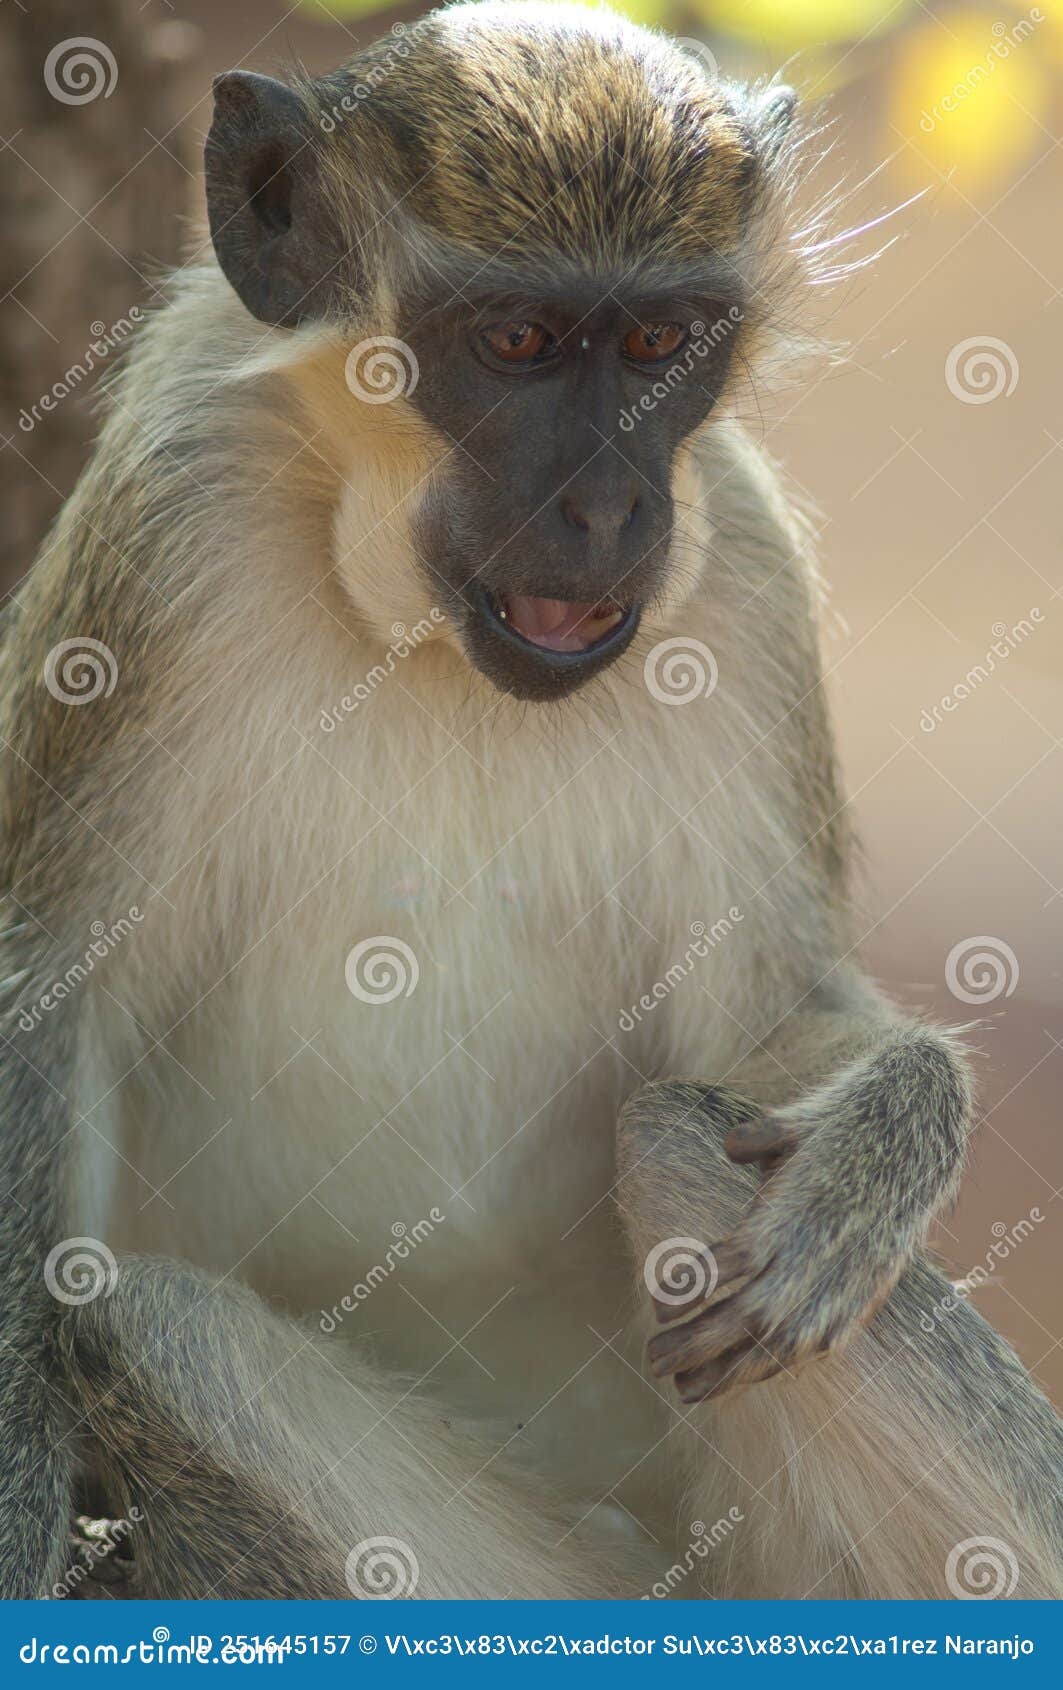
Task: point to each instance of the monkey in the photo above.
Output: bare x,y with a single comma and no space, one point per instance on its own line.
359,1238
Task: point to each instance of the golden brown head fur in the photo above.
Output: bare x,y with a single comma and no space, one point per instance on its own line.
530,134
629,151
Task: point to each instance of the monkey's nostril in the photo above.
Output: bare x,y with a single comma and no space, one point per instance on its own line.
633,512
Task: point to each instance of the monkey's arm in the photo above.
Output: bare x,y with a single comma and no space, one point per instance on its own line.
49,770
34,1412
36,1122
858,1123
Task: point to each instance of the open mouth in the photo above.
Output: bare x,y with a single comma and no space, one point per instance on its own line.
559,624
559,628
544,647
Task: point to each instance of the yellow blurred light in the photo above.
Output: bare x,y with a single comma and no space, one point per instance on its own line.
327,11
970,101
660,12
657,13
788,24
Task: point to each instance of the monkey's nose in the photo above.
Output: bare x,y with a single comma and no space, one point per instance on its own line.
601,518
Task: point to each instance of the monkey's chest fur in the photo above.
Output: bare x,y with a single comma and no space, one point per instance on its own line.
389,1101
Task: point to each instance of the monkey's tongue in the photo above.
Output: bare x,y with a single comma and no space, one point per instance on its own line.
560,624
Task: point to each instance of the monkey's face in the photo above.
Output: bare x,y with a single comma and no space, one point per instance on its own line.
549,525
558,218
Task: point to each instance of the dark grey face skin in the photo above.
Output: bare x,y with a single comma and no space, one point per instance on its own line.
560,487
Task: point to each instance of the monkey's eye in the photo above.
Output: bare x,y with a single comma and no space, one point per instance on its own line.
520,343
651,343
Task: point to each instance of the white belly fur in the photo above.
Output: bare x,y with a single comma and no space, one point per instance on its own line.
475,1116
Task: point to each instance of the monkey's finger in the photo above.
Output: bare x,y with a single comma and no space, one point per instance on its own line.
746,1364
715,1271
706,1336
768,1141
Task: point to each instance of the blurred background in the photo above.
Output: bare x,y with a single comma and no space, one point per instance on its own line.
932,455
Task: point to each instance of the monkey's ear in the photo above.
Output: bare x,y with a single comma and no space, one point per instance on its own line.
775,108
272,234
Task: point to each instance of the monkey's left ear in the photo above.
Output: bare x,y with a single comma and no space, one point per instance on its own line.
269,221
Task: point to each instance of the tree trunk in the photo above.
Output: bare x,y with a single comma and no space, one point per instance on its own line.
90,205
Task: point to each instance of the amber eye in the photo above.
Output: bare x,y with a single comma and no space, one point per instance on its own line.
519,343
652,342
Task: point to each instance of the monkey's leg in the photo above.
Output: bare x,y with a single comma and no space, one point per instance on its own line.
917,1461
258,1457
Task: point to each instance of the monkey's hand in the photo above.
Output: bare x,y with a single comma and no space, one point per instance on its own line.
806,1268
849,1179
